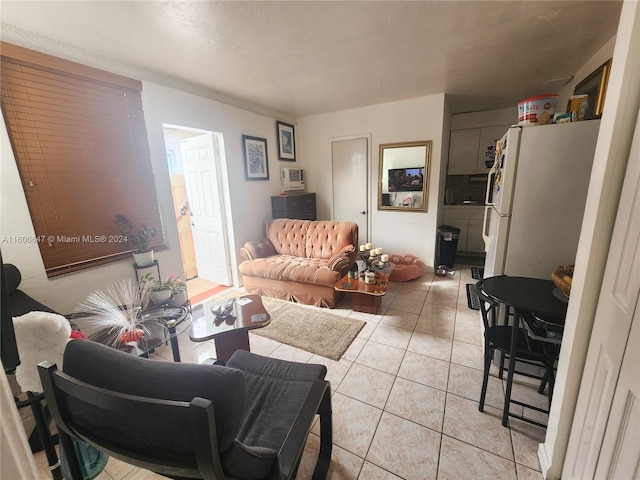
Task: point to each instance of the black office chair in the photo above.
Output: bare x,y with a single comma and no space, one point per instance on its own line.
247,420
528,351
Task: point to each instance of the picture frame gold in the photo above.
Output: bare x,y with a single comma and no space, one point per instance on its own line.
595,86
403,176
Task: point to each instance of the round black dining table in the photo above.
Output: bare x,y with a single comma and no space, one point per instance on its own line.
525,294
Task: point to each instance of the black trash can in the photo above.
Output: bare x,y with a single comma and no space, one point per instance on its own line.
447,245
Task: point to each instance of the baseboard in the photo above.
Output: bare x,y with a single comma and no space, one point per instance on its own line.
544,460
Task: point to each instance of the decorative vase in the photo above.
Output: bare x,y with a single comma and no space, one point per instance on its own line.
369,278
132,335
179,299
143,259
161,297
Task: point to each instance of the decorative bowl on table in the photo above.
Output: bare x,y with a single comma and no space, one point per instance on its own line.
562,277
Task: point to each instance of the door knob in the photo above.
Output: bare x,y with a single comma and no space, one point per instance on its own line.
363,212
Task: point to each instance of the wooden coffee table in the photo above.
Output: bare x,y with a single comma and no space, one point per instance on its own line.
232,333
366,297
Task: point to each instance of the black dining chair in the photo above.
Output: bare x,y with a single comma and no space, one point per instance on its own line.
248,420
528,351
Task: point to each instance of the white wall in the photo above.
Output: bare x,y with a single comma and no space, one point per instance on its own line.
607,176
604,54
247,202
409,120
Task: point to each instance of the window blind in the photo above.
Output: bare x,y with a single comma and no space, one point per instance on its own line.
80,143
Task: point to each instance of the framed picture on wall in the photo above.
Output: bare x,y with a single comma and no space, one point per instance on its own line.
256,161
595,86
286,141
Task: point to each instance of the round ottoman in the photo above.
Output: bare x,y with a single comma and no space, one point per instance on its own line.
407,268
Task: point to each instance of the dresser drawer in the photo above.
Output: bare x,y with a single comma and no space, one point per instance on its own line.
299,206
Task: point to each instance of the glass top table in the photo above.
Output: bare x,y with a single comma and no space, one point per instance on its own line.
161,325
164,325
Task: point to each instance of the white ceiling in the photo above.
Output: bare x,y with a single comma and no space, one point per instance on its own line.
303,58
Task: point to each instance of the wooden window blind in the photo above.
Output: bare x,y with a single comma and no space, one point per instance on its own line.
80,142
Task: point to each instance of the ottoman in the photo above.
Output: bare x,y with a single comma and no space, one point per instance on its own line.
407,268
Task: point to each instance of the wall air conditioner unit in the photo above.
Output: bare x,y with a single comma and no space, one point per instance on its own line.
291,179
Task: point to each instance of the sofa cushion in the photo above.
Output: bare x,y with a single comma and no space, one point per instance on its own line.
290,268
289,237
325,239
276,390
249,463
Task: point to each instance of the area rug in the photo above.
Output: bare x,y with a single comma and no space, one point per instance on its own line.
473,302
309,328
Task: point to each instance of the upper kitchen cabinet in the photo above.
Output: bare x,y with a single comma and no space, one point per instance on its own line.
489,136
470,149
473,136
463,151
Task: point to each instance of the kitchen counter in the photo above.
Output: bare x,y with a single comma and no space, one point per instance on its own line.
454,205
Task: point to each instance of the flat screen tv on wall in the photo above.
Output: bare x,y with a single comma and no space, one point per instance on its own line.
406,179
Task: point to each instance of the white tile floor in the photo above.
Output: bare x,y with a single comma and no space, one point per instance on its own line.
405,394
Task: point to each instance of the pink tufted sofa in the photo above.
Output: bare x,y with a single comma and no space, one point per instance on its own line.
300,260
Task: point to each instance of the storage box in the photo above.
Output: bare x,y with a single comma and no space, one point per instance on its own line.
537,110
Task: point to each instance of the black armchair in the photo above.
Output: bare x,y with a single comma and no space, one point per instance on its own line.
247,420
20,302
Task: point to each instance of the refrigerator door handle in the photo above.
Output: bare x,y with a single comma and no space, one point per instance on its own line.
485,226
490,183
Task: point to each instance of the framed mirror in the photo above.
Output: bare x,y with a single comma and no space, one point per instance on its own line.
403,176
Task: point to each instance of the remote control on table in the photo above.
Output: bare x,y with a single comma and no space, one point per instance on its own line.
228,307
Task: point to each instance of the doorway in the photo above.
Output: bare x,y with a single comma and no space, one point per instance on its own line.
350,178
193,158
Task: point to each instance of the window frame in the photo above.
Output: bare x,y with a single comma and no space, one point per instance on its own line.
80,143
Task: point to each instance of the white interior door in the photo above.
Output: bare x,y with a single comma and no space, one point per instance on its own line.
604,436
200,163
350,169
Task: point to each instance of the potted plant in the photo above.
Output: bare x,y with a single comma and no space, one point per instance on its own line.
159,292
139,237
178,290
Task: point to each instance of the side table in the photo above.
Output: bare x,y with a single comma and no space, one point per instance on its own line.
231,333
366,297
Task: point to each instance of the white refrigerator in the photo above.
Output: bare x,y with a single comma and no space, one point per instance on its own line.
536,194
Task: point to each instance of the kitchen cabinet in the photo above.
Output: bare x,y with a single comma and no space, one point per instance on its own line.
463,152
488,138
468,149
475,243
469,220
300,206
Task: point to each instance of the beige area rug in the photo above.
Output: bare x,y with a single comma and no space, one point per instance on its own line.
309,328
